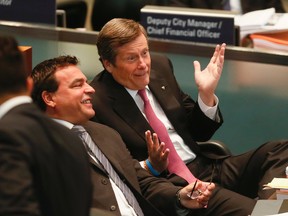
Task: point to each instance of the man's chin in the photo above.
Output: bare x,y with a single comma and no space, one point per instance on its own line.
91,114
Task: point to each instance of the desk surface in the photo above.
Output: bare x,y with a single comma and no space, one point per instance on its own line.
156,45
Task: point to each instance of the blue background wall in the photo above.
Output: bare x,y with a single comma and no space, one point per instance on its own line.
253,100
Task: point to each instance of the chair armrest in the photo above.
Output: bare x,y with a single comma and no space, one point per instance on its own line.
215,146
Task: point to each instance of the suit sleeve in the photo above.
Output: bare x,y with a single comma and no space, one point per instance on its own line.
158,191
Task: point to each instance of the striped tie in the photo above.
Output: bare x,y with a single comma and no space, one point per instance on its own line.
97,153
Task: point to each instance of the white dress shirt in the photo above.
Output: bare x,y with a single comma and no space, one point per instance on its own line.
182,149
13,102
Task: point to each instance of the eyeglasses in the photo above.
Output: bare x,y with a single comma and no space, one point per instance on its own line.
197,192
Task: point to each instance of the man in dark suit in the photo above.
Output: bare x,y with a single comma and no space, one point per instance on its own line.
44,168
128,68
62,91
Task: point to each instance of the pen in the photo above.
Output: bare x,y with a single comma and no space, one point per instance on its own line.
193,188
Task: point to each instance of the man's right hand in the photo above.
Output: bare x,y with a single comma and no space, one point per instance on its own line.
201,201
158,154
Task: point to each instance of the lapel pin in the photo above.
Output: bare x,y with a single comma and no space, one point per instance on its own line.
163,87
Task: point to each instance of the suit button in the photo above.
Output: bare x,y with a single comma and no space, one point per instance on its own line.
104,181
113,208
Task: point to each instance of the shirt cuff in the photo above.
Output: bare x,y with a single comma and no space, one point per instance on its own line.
210,112
180,210
142,164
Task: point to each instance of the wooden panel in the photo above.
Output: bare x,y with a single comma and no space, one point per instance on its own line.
27,51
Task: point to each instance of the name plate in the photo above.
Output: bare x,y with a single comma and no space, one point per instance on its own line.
196,25
30,11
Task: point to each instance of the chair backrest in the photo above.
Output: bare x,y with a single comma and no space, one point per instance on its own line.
76,13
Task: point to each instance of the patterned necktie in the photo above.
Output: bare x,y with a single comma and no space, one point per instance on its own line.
97,153
176,164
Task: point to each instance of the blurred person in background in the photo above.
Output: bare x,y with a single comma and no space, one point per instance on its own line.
44,168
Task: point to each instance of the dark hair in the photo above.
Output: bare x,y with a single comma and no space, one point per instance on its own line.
116,33
13,73
43,76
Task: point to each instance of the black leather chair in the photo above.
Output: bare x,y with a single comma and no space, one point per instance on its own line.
215,147
76,13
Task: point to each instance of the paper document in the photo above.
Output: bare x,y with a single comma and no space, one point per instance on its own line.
272,41
281,214
258,21
254,19
278,183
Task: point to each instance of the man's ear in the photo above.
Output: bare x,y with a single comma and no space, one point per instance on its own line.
29,84
48,99
108,66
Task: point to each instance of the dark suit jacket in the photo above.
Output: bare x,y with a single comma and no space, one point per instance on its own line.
158,191
247,5
44,168
116,108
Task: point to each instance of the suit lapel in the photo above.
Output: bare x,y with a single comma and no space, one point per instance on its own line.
116,157
165,97
103,145
95,164
134,117
163,94
122,100
170,105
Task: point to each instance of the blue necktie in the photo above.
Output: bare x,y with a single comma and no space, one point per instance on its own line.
97,153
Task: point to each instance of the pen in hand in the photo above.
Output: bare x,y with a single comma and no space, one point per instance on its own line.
193,189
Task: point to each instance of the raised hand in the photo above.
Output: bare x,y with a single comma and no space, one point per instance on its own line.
207,79
158,155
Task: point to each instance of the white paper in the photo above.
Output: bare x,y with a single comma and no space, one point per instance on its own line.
279,183
254,19
261,21
282,214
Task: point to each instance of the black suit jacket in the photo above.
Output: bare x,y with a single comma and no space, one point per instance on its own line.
44,168
116,108
158,191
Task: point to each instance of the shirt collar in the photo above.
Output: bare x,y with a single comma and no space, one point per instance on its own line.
133,93
64,123
13,102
